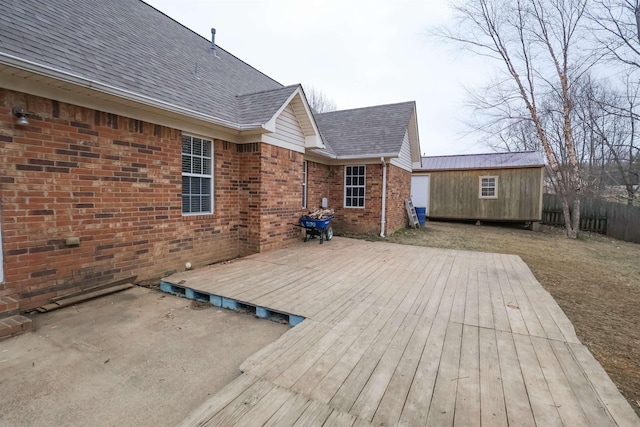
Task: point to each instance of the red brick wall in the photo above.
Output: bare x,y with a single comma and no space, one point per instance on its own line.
320,182
280,196
328,181
398,190
115,183
249,188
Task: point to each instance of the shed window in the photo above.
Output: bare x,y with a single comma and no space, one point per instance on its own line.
197,176
488,187
354,186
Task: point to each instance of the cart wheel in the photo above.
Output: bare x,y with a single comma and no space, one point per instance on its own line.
328,233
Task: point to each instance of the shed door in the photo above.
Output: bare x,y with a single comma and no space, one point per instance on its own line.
420,191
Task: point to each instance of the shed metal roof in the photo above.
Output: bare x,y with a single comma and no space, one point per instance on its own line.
517,159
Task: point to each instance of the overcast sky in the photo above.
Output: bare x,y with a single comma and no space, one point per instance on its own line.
359,53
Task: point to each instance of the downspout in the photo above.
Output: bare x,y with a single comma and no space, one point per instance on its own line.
384,196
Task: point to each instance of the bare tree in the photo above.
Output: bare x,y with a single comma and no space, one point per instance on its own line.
536,43
318,100
617,29
612,117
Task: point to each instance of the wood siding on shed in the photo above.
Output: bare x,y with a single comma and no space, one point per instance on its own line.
455,195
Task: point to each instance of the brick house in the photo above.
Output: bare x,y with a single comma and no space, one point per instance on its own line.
132,146
365,168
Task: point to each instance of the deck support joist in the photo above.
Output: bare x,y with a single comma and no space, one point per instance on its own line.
230,303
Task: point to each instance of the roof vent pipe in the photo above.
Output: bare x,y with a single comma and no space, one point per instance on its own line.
213,40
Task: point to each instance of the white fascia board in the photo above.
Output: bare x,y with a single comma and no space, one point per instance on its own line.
313,141
329,159
80,81
414,137
368,156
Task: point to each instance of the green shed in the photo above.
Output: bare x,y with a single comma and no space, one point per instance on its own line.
489,187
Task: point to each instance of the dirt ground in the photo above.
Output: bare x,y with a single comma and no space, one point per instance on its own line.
139,357
595,279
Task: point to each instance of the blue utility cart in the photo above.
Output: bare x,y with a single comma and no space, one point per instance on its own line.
317,228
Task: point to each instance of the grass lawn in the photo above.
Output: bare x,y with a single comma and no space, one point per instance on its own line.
595,279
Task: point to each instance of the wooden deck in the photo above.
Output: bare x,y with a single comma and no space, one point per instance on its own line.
400,335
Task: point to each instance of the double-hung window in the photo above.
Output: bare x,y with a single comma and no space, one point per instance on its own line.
354,186
197,176
488,187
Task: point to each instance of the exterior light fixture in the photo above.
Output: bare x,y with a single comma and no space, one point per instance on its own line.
21,115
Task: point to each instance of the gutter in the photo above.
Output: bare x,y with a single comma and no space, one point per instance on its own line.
384,196
64,76
357,156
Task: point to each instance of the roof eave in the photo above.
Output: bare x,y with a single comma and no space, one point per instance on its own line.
368,156
478,168
50,72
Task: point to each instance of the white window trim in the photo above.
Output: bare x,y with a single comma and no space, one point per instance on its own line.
344,188
495,195
211,207
305,171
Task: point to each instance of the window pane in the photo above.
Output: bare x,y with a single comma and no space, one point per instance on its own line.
197,146
361,181
206,186
348,192
206,149
197,165
348,202
195,185
185,204
361,170
195,204
186,145
206,203
206,166
186,164
348,180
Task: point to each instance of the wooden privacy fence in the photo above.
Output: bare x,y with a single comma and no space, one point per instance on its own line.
594,224
613,219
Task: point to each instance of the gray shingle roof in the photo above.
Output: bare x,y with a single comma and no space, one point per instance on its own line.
365,131
129,45
261,106
483,161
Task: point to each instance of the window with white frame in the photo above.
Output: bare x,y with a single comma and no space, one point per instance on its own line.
488,187
354,186
197,175
304,184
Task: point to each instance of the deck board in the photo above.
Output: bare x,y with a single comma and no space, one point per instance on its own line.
400,335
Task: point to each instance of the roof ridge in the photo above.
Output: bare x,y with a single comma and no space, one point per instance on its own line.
367,108
209,41
268,90
480,154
